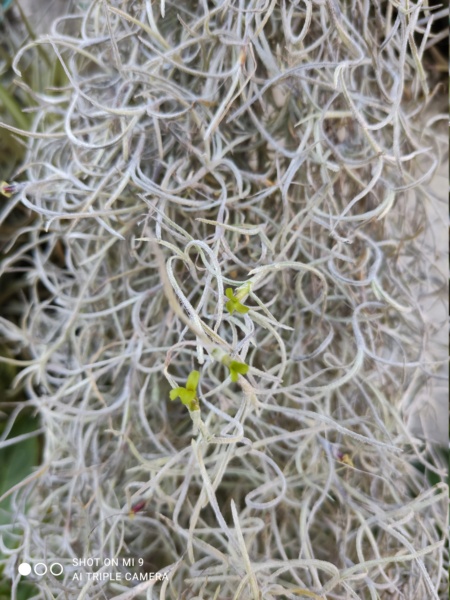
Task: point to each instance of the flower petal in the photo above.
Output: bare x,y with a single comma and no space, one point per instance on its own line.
230,306
240,308
192,380
186,396
239,367
175,392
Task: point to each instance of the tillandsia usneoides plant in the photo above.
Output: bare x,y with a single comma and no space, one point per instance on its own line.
223,322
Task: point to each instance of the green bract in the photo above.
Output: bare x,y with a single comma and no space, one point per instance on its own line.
234,304
188,394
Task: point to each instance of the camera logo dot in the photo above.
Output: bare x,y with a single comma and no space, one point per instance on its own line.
56,569
24,569
40,569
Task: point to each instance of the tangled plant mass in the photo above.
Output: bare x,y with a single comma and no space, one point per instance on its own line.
230,188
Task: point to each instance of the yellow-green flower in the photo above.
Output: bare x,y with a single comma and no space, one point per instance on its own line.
236,369
188,394
234,304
